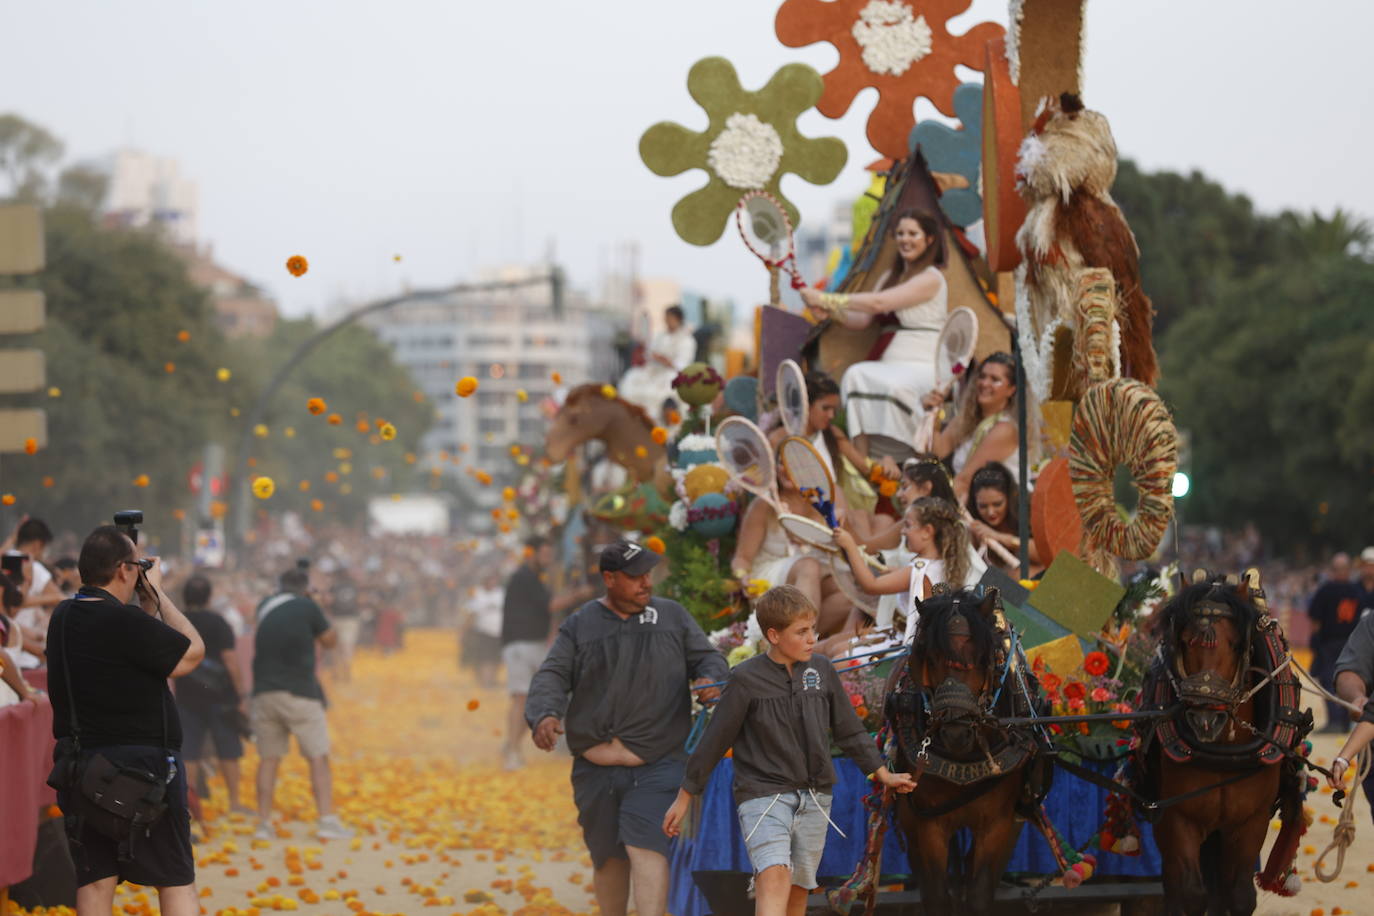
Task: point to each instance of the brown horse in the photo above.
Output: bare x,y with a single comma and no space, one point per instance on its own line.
1228,752
625,428
971,772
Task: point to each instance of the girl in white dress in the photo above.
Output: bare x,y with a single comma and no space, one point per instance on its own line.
935,534
883,397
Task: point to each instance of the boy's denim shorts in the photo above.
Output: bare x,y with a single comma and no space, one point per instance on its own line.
787,829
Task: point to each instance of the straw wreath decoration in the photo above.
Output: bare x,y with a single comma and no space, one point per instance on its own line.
1123,422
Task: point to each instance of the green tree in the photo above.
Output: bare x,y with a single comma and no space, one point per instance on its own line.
27,151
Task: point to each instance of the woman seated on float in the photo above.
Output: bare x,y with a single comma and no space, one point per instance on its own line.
882,397
834,447
764,551
992,500
984,428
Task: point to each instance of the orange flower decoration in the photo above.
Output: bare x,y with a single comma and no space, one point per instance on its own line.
674,418
334,419
184,336
887,488
655,543
473,704
902,48
466,386
659,435
141,480
316,505
31,445
297,265
316,406
7,499
48,482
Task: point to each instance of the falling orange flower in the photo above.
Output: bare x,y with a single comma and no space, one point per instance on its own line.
184,336
466,386
331,476
31,445
261,431
473,704
334,419
514,450
141,480
48,482
316,505
179,515
304,486
508,494
316,406
7,499
169,367
387,432
522,395
659,435
363,426
655,543
223,374
264,487
483,478
297,265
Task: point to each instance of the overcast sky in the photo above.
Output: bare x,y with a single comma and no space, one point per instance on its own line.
462,134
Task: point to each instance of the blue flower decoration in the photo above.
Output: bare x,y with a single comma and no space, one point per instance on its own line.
959,152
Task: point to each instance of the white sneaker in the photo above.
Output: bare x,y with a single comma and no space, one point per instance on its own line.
264,832
331,828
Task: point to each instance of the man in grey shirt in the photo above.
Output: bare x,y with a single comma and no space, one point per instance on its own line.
1355,673
616,680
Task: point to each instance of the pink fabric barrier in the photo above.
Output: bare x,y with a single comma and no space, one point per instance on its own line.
26,744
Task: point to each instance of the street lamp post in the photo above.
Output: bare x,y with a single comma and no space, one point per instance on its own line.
238,481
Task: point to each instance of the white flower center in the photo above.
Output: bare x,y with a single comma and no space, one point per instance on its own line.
746,153
892,37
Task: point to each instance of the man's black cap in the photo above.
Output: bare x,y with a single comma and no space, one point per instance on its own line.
629,558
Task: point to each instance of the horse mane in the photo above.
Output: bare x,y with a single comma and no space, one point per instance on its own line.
938,612
1176,615
591,389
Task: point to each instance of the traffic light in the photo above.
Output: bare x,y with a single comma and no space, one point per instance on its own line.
22,370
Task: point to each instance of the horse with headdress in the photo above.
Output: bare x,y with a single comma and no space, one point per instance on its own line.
1230,751
963,673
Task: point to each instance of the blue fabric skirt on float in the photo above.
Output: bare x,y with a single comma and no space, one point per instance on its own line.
1075,806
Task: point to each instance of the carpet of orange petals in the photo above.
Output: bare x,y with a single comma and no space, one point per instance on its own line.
441,828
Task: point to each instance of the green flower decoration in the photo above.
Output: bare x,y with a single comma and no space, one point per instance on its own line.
751,142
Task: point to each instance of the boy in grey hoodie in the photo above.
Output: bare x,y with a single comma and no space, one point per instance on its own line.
779,712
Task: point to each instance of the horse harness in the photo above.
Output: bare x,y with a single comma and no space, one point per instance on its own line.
916,712
1205,703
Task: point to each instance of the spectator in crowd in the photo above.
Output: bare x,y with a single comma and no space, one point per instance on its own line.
1334,611
618,676
481,631
211,699
288,699
108,680
1367,580
65,574
32,537
526,621
24,644
346,617
13,687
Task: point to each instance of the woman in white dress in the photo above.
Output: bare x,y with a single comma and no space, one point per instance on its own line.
764,551
883,397
984,430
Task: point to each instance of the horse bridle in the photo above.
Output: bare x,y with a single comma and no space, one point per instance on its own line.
1209,701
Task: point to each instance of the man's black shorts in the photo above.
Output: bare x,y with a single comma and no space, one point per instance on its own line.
161,859
219,722
624,806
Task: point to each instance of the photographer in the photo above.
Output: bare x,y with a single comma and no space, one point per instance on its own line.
113,714
211,699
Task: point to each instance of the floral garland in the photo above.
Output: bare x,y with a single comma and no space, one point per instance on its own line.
746,154
1036,354
892,38
711,513
706,373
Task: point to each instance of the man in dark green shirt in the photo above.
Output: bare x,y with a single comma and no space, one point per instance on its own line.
288,700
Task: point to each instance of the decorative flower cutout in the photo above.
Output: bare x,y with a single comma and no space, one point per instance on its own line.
957,152
902,48
751,142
